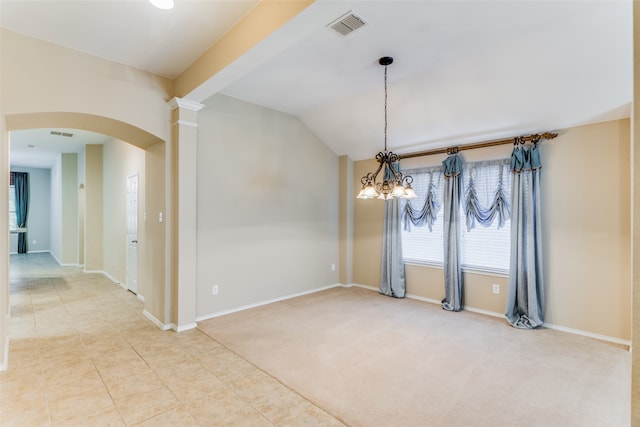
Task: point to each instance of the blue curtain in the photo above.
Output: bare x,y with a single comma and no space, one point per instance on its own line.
21,185
392,281
525,301
453,300
498,208
428,214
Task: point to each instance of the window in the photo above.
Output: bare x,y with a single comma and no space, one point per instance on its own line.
13,222
421,244
482,248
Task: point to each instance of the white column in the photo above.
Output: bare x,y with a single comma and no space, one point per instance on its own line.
182,213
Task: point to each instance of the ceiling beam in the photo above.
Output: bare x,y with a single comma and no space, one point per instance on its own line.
196,82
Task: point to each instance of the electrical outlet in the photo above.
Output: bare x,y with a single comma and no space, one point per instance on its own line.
333,267
496,288
215,290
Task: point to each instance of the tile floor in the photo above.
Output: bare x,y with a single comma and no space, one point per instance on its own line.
82,354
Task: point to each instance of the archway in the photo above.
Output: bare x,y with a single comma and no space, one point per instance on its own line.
154,148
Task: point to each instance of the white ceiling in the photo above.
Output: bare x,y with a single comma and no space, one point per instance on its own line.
39,148
464,71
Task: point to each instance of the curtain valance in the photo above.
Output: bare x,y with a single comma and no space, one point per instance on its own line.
484,206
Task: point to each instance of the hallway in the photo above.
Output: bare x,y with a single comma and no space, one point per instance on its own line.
81,353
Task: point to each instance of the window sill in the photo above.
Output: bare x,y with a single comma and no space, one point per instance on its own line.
465,269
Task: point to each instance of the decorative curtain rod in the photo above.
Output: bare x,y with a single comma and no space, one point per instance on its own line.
535,138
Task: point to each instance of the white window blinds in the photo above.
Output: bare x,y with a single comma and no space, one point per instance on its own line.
483,248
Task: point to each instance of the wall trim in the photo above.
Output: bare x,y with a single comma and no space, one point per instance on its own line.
265,302
187,104
5,362
113,279
156,322
140,297
55,258
182,328
587,334
357,285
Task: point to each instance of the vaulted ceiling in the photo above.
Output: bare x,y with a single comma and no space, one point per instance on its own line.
464,71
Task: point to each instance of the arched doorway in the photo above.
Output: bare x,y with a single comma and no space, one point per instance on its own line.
152,254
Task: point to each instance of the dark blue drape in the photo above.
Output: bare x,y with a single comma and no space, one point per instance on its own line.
21,185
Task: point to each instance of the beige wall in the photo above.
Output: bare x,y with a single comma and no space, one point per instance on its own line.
44,85
151,247
93,229
635,209
69,206
267,206
345,229
32,82
120,160
586,241
586,229
4,244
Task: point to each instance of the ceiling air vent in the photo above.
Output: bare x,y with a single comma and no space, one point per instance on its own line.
347,23
56,133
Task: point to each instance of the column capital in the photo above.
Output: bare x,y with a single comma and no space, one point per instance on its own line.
186,104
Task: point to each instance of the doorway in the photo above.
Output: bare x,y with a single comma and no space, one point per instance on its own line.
132,233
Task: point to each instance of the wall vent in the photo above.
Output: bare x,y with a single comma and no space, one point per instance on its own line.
347,23
56,133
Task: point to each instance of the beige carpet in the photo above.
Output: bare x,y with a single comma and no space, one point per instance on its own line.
371,360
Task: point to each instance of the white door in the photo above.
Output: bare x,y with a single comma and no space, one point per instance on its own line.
132,233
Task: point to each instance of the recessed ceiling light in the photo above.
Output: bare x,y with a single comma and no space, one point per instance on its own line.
162,4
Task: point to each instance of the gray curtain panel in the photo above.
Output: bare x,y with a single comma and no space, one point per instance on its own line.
392,281
525,301
453,300
21,184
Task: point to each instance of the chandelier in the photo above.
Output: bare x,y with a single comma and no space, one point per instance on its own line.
393,183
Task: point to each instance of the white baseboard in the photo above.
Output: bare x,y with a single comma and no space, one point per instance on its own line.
261,303
187,327
113,279
55,258
600,337
140,297
371,288
502,316
156,322
485,312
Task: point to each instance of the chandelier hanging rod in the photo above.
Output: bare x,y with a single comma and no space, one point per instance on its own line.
535,137
392,183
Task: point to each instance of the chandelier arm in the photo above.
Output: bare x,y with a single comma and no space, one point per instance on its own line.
380,164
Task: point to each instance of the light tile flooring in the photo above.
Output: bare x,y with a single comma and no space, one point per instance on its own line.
81,353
